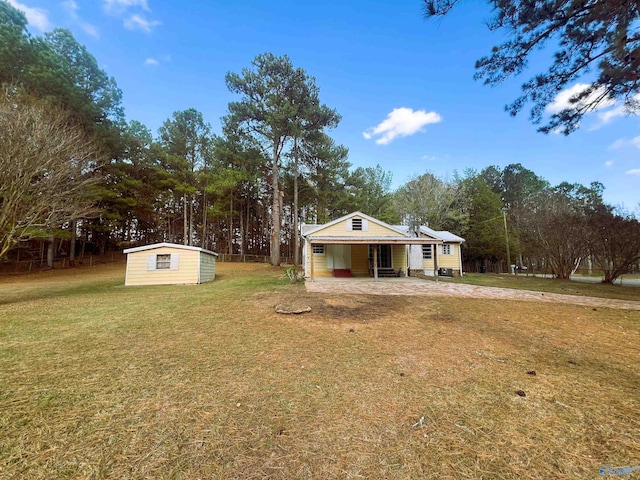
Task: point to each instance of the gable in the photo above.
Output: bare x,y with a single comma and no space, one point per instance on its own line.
356,225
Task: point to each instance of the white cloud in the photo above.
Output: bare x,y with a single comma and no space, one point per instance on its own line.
133,21
606,117
401,122
619,143
90,29
608,163
72,9
122,5
562,100
623,143
620,110
633,171
429,158
152,62
35,16
136,21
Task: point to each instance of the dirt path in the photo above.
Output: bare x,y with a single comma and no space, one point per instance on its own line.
412,286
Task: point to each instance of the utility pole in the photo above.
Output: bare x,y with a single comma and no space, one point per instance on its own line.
506,235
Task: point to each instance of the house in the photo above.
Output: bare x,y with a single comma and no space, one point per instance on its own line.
359,245
169,263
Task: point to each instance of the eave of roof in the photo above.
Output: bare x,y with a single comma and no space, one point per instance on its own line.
351,215
371,240
169,245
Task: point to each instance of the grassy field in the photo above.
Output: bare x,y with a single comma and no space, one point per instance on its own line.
102,381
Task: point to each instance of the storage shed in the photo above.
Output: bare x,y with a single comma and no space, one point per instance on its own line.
169,264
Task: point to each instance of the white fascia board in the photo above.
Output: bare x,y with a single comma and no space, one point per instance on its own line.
168,245
351,215
370,240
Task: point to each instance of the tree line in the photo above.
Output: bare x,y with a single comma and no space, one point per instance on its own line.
511,216
74,172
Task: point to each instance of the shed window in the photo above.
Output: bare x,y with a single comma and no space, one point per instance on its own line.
163,262
446,249
426,252
318,249
356,224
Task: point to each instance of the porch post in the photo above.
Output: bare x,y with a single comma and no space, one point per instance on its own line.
407,252
435,260
375,262
312,260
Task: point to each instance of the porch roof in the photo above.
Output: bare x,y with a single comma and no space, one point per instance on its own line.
332,240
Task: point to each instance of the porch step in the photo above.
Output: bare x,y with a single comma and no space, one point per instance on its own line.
386,272
342,273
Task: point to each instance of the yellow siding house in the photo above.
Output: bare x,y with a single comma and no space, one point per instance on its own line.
358,245
169,264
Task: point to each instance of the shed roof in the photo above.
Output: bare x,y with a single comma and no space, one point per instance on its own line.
170,245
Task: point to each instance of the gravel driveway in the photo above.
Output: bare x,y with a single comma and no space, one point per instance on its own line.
428,288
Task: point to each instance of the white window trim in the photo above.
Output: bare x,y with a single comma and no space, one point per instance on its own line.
152,261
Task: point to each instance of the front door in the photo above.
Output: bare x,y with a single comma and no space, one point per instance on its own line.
339,257
384,256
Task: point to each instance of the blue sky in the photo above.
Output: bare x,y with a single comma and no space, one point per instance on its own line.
404,86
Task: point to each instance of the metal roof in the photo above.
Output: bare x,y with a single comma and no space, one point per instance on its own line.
374,239
439,234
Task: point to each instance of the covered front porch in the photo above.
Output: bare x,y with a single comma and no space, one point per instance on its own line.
362,258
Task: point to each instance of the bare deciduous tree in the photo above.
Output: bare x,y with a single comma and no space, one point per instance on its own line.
614,242
559,231
46,171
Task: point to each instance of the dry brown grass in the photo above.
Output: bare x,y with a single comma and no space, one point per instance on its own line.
102,381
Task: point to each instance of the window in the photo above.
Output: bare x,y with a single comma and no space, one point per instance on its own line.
446,249
426,252
356,224
318,249
163,262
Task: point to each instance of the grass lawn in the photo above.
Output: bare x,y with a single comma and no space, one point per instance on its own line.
538,284
102,381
